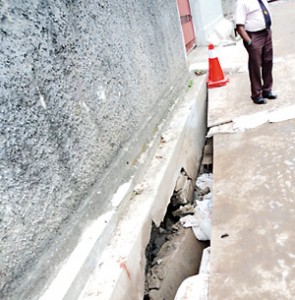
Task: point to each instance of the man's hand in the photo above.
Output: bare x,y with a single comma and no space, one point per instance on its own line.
243,33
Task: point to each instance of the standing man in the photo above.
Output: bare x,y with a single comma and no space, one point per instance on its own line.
253,22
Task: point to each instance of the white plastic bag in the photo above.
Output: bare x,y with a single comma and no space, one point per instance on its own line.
200,221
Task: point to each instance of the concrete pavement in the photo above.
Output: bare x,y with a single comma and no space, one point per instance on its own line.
253,241
253,238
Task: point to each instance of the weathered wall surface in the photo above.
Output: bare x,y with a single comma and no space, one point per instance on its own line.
228,8
79,81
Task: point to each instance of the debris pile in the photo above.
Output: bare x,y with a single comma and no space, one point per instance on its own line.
190,206
200,220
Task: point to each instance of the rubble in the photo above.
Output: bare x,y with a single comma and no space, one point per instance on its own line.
190,206
170,241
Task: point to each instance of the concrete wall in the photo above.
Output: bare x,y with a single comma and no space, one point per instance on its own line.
228,8
83,85
206,14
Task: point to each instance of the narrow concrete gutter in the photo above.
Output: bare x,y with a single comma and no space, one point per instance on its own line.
117,270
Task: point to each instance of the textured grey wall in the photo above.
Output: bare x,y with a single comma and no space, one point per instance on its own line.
78,80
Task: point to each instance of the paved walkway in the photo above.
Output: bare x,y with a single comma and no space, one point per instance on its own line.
253,237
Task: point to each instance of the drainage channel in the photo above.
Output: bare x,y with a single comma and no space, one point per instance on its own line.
175,249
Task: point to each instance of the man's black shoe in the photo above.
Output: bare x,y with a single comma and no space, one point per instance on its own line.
269,95
260,101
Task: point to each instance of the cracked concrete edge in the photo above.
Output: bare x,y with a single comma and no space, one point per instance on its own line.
254,120
119,274
94,263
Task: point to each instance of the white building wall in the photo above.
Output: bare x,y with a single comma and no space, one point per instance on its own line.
206,15
228,8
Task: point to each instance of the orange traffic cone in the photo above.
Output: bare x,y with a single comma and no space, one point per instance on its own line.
216,77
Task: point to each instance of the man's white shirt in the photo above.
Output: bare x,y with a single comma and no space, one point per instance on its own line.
249,14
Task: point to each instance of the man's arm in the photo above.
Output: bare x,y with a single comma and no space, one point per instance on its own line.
243,33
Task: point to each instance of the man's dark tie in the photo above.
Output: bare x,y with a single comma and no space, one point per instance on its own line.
265,14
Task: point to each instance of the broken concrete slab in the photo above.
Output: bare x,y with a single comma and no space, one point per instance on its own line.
254,120
183,193
207,160
196,287
180,258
